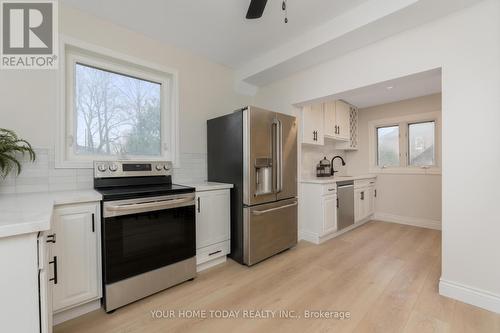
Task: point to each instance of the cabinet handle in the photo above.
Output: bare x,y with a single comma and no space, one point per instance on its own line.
337,202
363,195
51,238
54,261
93,222
211,254
199,205
375,193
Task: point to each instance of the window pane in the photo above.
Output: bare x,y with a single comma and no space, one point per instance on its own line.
421,143
116,114
388,146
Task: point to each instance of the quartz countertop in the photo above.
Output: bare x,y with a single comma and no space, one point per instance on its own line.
32,212
207,186
330,180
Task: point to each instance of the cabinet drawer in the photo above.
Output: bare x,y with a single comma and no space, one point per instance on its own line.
330,189
212,252
364,183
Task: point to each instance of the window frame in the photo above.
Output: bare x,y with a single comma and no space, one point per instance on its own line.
74,52
377,141
403,123
408,143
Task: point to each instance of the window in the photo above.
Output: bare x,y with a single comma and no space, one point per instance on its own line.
388,146
421,144
404,145
115,107
116,114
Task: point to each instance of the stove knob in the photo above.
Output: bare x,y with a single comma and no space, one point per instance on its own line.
102,167
113,167
159,167
166,167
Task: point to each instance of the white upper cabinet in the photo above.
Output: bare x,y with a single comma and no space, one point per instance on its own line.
329,117
337,120
342,120
77,252
312,124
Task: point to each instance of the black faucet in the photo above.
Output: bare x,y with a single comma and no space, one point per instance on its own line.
332,172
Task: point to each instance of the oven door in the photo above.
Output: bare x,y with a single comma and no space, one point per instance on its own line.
140,235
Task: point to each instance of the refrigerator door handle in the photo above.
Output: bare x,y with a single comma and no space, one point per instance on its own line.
276,149
260,212
280,156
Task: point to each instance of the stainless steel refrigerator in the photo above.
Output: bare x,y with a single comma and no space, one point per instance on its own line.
256,150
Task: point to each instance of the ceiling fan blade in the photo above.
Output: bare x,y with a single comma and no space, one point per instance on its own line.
256,9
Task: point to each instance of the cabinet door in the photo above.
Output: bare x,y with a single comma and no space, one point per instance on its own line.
312,124
329,213
45,281
212,217
371,200
342,119
358,205
77,252
329,122
203,219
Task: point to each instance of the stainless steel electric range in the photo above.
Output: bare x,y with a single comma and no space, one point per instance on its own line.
148,230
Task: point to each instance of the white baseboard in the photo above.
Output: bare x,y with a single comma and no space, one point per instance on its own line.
414,221
470,295
211,263
309,236
78,311
317,239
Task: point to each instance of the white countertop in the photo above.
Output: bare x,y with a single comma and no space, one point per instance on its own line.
207,186
32,212
330,180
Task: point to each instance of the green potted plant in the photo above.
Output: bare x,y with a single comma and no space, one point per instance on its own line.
11,149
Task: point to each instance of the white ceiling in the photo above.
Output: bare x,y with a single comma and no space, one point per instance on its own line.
411,86
217,29
265,50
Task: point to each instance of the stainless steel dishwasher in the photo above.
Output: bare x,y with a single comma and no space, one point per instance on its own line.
345,204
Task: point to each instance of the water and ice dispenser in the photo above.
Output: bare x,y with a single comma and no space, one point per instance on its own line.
263,176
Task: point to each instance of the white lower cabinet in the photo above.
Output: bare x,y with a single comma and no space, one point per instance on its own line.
212,227
329,204
46,279
318,211
364,199
76,254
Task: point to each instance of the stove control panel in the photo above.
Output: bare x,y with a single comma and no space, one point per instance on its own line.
110,169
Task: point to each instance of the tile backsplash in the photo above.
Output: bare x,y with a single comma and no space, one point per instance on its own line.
311,155
42,176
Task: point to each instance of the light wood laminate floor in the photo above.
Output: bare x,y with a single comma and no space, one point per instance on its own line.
386,275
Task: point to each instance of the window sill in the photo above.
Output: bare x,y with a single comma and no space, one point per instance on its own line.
406,171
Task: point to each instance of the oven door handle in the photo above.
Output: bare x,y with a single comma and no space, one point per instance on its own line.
155,205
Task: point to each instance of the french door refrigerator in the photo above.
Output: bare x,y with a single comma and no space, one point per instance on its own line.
256,150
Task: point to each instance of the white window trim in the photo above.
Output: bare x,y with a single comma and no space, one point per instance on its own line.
403,144
64,158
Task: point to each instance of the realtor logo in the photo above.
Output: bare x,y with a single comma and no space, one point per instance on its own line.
29,35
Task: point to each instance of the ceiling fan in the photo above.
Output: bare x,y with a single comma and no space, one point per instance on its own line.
256,9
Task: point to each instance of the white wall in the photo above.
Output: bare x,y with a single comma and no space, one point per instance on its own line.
403,197
28,102
467,47
311,155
